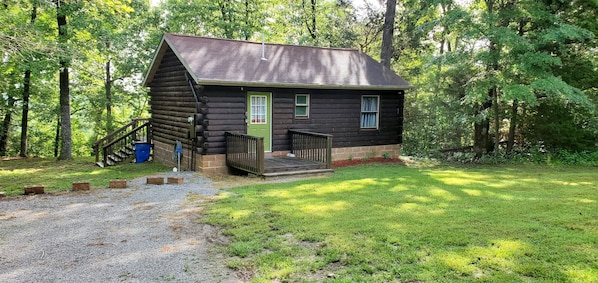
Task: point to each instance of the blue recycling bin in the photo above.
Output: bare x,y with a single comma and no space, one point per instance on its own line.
142,152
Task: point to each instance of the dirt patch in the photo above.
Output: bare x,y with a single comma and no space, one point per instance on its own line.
10,158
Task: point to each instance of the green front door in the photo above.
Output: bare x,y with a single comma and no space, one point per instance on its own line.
259,118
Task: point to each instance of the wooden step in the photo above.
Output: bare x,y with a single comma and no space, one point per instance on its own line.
302,173
120,155
115,159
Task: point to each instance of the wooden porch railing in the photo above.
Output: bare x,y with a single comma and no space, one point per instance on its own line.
312,146
136,130
245,152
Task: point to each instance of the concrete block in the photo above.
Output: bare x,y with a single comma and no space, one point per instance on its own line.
155,180
175,180
81,186
118,184
34,189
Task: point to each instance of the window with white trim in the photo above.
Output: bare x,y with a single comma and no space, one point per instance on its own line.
258,109
301,105
370,105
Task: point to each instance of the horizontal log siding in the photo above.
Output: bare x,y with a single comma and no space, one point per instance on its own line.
171,102
225,112
337,112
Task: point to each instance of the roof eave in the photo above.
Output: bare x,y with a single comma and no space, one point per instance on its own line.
158,54
164,44
299,85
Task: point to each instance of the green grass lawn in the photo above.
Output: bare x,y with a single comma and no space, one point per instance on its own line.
59,175
390,223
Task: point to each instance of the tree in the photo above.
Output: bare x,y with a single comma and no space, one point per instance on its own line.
387,32
66,145
6,124
26,96
222,18
496,61
486,71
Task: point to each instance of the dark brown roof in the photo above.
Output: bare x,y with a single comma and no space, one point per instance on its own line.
213,61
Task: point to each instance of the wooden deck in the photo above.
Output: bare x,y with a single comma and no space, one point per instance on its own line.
285,166
311,155
280,164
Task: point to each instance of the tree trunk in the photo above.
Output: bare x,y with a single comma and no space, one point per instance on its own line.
480,138
515,106
65,106
496,123
25,112
26,95
225,11
5,128
512,126
481,128
387,32
57,138
108,87
246,32
311,23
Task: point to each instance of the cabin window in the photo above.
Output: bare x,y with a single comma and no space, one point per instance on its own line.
258,109
369,111
301,105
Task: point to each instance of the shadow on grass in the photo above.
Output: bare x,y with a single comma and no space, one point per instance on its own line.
59,175
385,223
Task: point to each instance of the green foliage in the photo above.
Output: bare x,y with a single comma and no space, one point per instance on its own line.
454,53
556,127
228,19
540,155
99,32
584,158
505,53
393,223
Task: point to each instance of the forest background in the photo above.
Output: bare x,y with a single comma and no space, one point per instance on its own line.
493,79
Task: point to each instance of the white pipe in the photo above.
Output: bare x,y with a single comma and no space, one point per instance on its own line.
263,49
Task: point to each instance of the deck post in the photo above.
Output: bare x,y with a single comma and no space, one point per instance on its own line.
260,155
328,152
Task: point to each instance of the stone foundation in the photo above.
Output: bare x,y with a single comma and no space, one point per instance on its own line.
163,153
213,165
365,152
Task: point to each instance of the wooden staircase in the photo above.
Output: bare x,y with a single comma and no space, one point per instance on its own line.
119,146
125,154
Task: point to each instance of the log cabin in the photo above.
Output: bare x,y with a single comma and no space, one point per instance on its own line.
230,101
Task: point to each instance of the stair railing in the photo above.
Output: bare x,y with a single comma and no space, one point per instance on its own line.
136,130
312,146
245,152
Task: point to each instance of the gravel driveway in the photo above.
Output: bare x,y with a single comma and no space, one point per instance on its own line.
145,233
